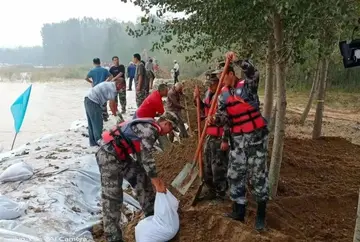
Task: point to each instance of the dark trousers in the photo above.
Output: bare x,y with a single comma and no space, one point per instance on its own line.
176,77
94,117
130,82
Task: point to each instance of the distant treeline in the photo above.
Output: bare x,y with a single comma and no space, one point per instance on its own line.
78,41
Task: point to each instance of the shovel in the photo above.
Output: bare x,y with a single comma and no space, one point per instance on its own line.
186,177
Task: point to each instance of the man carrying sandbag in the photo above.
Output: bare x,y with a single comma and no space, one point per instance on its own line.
137,137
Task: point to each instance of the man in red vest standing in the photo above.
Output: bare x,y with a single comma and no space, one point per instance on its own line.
239,113
215,159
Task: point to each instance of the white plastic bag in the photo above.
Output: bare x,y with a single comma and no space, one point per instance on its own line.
165,223
17,172
10,209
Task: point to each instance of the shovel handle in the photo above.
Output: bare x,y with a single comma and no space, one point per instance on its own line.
187,116
199,129
211,110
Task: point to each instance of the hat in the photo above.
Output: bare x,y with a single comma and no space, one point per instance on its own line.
172,118
220,68
211,77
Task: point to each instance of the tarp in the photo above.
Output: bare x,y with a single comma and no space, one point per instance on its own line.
63,196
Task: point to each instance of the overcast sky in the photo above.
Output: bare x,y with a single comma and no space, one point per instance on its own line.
21,20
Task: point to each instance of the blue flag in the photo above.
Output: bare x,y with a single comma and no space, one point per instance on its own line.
18,109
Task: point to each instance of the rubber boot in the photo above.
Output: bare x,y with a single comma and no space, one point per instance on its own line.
238,212
260,216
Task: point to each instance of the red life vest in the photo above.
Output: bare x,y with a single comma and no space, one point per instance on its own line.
244,114
212,130
123,138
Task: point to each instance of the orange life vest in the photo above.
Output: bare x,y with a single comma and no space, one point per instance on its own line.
211,130
123,138
244,113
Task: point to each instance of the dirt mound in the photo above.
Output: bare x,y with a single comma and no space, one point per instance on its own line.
316,201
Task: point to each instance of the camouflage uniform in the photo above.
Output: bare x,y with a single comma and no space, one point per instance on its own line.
248,161
122,98
140,97
215,166
248,155
137,173
215,159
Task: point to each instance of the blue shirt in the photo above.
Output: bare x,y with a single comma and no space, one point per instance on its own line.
131,70
98,75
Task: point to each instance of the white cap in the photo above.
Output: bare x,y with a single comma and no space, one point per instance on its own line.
175,61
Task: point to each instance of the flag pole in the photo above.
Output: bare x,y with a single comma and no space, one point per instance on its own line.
12,146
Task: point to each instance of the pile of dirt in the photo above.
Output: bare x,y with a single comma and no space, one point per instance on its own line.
317,193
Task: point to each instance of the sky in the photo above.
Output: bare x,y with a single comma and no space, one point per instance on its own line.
21,20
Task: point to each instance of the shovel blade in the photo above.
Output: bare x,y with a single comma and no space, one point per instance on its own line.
185,178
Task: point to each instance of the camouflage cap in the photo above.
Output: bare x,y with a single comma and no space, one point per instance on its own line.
172,118
211,77
220,68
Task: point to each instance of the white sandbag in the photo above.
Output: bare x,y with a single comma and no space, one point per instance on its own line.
164,225
17,172
10,209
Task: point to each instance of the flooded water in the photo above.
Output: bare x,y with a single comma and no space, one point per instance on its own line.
53,106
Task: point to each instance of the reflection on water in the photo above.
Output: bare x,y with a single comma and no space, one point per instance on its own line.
52,108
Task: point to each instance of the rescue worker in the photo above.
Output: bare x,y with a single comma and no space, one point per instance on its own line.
215,159
248,137
137,137
173,105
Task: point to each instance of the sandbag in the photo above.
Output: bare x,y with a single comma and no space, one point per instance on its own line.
17,172
164,225
10,209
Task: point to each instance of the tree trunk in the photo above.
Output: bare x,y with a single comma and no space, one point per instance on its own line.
320,99
357,225
271,124
312,94
277,150
269,82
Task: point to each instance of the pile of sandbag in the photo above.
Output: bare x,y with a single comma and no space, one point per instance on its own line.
17,172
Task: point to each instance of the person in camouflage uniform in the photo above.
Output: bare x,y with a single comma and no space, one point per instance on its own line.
141,81
215,159
122,98
115,162
246,129
117,72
